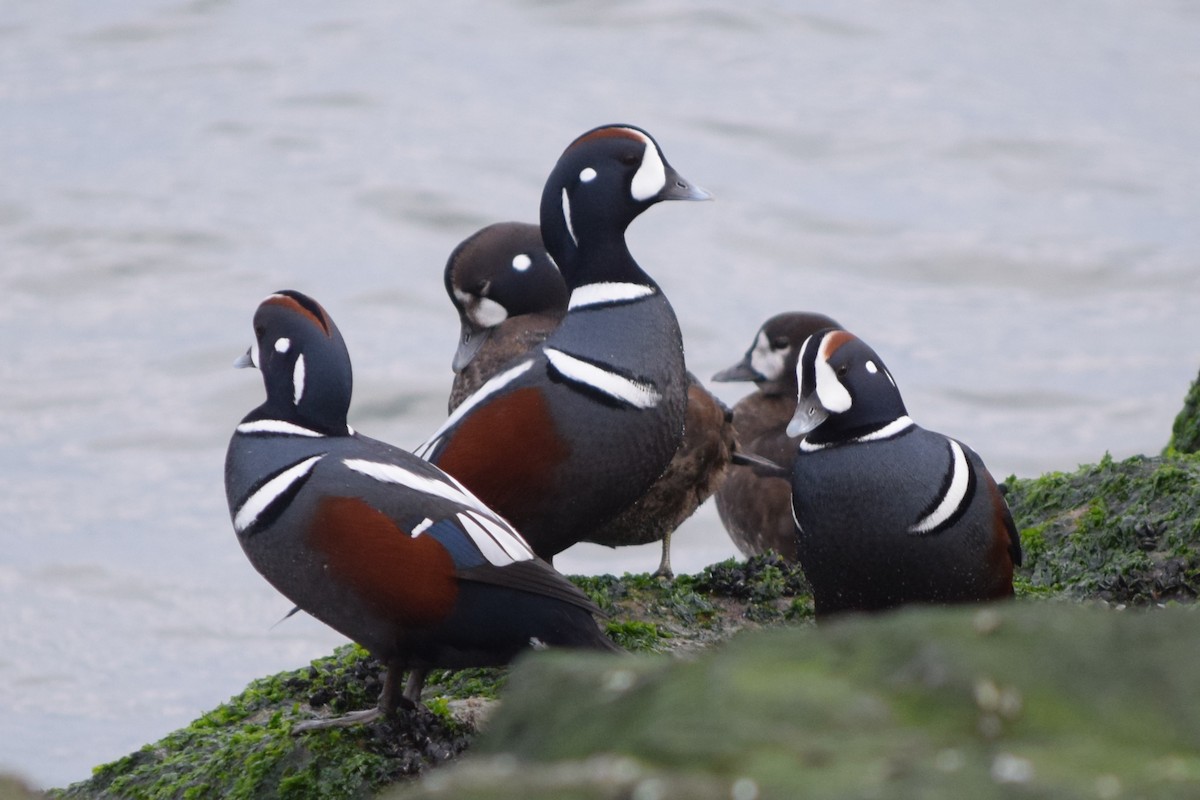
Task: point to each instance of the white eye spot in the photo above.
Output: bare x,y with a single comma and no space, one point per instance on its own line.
282,345
587,175
298,380
651,176
521,262
871,368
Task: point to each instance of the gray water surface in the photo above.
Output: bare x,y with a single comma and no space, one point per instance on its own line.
1001,198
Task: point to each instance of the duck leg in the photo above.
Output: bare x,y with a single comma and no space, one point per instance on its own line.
390,701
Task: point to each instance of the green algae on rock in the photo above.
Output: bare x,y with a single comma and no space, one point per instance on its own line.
1120,531
1030,699
1185,432
245,749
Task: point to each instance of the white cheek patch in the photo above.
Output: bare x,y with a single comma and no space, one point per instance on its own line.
255,361
587,175
830,391
487,313
298,380
566,206
651,176
521,262
765,360
282,345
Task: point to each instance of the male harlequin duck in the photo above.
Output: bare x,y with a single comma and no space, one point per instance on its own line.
562,440
887,512
756,509
510,296
371,540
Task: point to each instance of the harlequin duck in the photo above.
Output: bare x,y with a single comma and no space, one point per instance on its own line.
510,296
756,509
886,511
565,438
371,540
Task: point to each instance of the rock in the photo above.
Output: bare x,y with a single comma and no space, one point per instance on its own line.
1029,699
854,722
1120,531
1185,433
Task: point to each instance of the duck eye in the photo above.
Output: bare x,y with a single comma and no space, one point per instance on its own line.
259,331
779,343
842,370
630,159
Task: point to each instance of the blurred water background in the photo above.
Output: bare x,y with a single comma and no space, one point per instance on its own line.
1001,198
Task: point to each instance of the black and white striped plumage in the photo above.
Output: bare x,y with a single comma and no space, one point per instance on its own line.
886,511
564,439
371,540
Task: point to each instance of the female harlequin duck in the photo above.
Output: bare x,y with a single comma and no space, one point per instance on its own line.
756,509
371,540
510,296
562,440
887,512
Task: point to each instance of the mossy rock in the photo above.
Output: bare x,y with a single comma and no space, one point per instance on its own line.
1185,433
245,748
1124,532
1120,531
1028,699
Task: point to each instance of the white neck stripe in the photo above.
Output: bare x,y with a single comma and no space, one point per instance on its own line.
955,495
893,428
635,393
594,294
276,426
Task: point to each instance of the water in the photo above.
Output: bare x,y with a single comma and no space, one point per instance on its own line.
1001,199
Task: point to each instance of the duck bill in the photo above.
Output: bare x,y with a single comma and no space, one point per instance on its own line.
741,371
469,342
809,415
679,188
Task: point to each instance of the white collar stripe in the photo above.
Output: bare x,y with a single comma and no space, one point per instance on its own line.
631,392
955,496
276,426
894,428
261,498
595,294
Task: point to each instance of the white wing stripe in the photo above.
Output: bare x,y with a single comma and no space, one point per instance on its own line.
257,502
635,393
954,495
498,541
513,545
